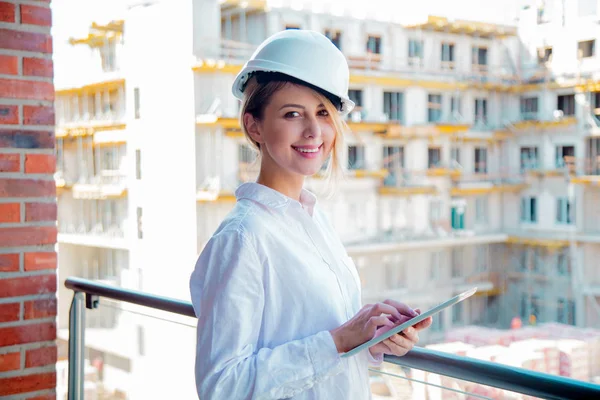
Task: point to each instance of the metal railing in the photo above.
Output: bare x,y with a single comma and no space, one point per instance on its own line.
87,294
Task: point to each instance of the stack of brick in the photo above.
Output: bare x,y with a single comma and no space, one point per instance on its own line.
475,335
487,353
482,336
456,348
591,337
525,359
574,359
548,348
529,332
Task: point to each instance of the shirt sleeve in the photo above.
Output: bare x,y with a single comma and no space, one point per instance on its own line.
375,360
228,297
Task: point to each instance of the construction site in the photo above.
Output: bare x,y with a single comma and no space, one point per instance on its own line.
472,159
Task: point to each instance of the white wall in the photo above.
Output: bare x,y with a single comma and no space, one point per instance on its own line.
167,140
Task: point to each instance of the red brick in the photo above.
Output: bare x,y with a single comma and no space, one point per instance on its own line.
10,162
23,286
40,260
40,163
27,383
7,12
38,67
27,334
40,308
9,312
9,262
40,212
11,39
35,15
28,90
9,115
21,139
27,188
10,212
27,236
38,115
10,362
9,65
40,357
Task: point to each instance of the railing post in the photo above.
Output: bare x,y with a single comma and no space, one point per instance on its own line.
76,347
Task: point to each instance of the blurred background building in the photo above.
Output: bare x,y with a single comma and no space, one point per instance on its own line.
474,160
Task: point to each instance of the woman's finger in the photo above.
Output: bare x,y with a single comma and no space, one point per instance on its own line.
402,341
395,348
380,321
403,308
382,308
411,334
424,324
381,347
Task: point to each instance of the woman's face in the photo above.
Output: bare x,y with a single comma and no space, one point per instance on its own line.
296,134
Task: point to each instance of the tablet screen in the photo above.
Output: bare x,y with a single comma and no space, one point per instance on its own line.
411,322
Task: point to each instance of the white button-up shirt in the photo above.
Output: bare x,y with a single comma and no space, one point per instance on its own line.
270,284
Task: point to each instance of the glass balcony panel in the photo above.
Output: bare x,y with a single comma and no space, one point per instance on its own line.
126,357
394,382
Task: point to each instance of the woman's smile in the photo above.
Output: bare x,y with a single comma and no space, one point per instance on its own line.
310,151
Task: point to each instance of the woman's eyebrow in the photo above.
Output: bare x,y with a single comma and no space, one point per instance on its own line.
292,105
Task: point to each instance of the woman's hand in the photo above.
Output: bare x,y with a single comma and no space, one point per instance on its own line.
400,343
363,326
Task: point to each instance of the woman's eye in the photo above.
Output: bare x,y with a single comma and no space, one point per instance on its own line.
323,113
292,114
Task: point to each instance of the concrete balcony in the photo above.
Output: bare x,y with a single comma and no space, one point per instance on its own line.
411,240
109,184
111,241
89,125
103,233
227,56
65,179
554,123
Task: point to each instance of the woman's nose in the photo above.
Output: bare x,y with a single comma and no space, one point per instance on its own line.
312,128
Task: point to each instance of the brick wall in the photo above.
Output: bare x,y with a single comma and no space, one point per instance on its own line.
27,202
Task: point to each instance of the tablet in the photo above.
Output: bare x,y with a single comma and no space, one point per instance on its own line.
411,322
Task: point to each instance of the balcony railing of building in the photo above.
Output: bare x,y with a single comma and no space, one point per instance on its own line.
103,218
100,106
218,53
88,295
481,173
92,119
105,177
87,228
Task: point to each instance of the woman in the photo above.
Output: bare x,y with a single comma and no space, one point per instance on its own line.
276,296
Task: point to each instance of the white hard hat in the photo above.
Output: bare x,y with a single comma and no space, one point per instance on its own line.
306,55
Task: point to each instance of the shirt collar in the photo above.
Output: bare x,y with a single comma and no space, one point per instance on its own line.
272,198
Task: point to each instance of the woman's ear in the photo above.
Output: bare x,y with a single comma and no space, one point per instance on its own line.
253,128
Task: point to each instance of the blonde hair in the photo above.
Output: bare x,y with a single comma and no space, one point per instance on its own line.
256,99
